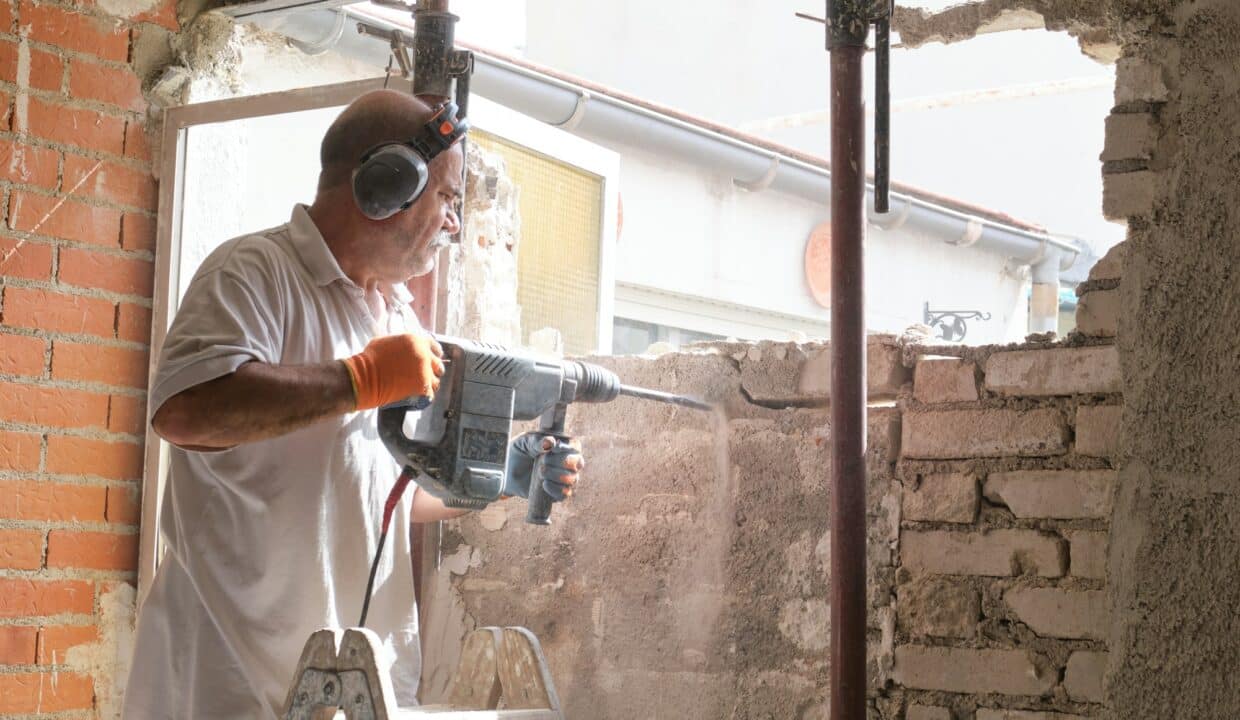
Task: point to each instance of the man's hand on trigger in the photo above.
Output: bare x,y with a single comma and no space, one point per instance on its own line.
555,464
395,367
559,467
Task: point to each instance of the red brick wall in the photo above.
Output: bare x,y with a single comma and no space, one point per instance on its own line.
77,201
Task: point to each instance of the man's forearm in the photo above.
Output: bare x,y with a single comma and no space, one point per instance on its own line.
257,402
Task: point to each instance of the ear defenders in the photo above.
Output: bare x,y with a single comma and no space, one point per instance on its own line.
393,175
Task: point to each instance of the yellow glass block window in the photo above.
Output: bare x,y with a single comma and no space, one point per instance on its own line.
558,256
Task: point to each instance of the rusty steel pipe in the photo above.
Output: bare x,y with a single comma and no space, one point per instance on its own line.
848,151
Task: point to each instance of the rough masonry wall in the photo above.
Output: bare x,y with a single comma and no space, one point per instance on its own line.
1169,167
690,580
690,577
76,240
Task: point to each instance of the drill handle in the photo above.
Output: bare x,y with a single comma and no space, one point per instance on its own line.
538,512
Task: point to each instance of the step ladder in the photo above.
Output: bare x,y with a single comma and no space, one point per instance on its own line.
337,675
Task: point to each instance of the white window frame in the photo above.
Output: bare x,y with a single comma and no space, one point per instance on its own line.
486,115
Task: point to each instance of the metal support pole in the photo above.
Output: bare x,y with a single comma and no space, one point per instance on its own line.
847,28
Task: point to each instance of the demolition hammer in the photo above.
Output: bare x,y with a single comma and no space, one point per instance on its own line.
458,451
459,446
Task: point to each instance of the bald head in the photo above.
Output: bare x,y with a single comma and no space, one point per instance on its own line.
376,117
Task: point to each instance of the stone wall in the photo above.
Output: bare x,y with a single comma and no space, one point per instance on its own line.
690,576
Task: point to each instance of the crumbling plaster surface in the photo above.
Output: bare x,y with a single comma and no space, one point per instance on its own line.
1176,555
694,584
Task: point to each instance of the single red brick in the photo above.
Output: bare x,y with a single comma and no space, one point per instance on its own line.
99,363
127,414
64,218
49,310
138,232
74,126
21,597
18,451
109,181
18,644
105,38
136,144
116,273
84,456
133,323
25,259
56,641
46,500
6,110
21,355
51,406
21,549
92,550
7,16
25,693
107,84
29,164
124,504
46,70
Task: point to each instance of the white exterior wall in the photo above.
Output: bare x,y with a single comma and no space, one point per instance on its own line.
691,231
1031,153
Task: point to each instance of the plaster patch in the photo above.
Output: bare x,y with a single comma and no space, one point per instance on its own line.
127,8
109,659
805,623
21,104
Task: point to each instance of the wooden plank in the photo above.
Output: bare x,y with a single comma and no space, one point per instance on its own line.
475,684
523,672
445,713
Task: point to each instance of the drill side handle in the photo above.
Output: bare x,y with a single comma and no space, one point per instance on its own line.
538,512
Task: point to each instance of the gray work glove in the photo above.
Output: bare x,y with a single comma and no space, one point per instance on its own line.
556,464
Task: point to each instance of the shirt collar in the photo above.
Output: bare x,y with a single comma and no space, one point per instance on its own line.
313,249
320,261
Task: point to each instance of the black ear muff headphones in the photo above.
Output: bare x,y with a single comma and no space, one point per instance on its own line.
394,174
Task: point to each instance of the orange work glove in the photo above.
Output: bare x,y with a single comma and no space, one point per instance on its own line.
395,367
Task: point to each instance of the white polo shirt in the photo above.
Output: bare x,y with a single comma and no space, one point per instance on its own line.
269,541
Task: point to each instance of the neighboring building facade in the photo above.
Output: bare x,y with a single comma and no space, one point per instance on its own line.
711,225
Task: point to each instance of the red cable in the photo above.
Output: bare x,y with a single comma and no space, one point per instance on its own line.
389,507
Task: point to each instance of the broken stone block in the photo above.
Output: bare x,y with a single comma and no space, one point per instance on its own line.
963,670
1052,612
884,370
1057,371
938,607
1098,429
1084,677
1062,494
1129,136
998,553
1087,552
1138,80
1129,194
1097,313
927,712
1111,266
953,434
943,380
942,497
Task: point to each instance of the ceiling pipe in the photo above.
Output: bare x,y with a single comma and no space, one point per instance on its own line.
559,102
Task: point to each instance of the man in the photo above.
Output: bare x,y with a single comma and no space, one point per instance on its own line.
285,343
